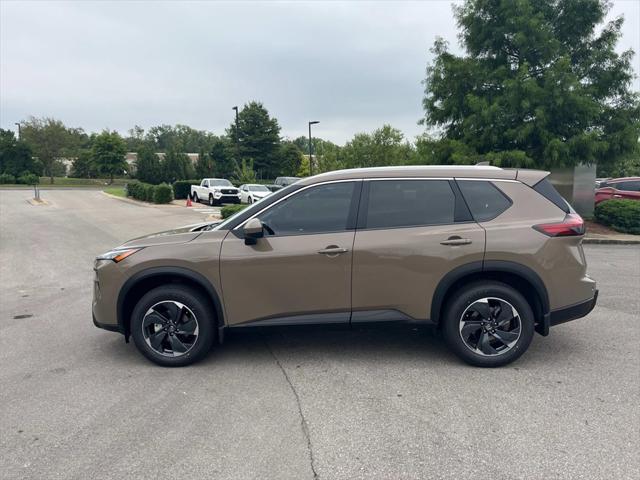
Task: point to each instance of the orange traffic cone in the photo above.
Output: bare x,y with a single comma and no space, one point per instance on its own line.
189,204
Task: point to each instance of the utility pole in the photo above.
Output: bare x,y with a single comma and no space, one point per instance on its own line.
311,147
237,134
18,124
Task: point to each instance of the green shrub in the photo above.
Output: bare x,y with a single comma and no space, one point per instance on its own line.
621,215
182,188
162,193
28,179
7,178
149,191
131,189
229,210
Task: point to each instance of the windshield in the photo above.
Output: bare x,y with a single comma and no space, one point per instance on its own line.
220,183
258,188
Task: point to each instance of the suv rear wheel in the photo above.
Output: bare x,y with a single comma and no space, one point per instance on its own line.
488,324
173,326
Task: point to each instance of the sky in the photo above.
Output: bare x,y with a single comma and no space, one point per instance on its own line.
353,66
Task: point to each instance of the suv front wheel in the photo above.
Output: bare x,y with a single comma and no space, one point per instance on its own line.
488,324
173,326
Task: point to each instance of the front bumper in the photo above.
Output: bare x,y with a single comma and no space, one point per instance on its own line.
573,312
107,326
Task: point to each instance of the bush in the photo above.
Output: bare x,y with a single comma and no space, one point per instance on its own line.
229,210
28,179
621,215
162,193
148,192
7,178
182,188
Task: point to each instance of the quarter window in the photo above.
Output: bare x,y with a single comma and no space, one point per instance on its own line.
320,209
407,203
484,199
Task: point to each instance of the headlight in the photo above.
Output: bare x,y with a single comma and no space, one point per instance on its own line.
217,195
118,254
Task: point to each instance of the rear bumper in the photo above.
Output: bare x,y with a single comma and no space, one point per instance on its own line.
573,312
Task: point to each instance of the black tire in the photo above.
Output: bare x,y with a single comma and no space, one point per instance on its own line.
195,198
200,308
463,310
250,201
211,200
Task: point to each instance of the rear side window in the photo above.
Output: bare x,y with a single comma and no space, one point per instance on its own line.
548,191
409,203
484,199
629,186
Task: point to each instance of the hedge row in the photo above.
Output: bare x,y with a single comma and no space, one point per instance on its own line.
182,188
229,210
146,192
25,179
621,215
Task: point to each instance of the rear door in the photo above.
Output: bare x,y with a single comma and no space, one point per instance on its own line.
629,189
411,232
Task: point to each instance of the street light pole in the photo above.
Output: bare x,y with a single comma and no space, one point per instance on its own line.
18,124
237,134
311,147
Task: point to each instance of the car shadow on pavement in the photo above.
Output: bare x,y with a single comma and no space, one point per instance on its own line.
386,342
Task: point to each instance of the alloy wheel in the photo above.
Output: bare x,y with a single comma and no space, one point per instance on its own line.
170,328
490,326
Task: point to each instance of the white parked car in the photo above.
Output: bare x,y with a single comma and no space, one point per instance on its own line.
215,191
252,192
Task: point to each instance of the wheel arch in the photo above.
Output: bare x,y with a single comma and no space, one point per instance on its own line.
144,281
518,276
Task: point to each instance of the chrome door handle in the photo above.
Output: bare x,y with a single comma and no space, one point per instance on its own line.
332,250
456,241
617,196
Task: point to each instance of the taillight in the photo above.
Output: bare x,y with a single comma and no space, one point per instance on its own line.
571,226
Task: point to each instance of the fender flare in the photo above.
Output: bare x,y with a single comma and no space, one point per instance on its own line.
177,272
513,268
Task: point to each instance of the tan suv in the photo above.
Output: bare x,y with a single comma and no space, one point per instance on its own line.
488,255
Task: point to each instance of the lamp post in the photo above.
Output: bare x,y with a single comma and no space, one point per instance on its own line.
18,124
237,133
311,147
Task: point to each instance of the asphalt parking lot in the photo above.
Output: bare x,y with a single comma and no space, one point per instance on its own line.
391,403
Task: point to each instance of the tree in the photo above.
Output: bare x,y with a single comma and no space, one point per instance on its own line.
205,165
83,166
245,173
290,159
224,165
540,85
176,166
258,137
15,156
148,168
385,146
108,153
47,139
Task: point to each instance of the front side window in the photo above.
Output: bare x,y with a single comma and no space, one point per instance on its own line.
257,188
408,203
320,209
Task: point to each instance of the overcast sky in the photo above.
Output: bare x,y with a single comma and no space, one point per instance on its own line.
113,64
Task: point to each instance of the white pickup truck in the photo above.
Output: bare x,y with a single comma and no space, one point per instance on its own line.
215,191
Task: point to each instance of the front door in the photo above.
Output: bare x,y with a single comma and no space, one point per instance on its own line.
300,272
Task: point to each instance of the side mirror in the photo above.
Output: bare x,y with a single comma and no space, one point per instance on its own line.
253,230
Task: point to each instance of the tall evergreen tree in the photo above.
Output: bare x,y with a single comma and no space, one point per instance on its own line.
258,138
540,85
108,152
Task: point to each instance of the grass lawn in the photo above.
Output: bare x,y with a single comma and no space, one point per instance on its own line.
117,191
81,182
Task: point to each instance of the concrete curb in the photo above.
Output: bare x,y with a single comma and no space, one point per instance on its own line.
610,241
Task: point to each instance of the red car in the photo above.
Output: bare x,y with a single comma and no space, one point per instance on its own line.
628,187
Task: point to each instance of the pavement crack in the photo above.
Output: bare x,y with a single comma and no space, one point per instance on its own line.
303,421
